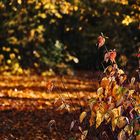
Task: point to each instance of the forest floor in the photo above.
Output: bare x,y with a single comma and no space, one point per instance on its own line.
27,105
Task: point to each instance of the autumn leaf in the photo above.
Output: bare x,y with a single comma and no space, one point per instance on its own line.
92,103
100,91
128,129
111,55
122,121
105,82
114,123
49,86
99,118
122,78
132,80
92,118
84,135
116,112
120,72
107,117
63,106
72,124
51,123
100,41
82,116
122,135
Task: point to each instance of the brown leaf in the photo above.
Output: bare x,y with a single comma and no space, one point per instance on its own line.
51,123
105,82
92,118
72,124
84,135
122,121
122,135
49,86
132,80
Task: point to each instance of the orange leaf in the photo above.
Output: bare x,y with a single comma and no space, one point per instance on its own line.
105,82
92,118
82,116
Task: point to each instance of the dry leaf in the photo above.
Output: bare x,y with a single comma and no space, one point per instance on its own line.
122,121
49,86
107,117
84,135
64,106
72,124
128,129
82,116
122,135
51,123
92,118
114,123
105,82
116,112
132,80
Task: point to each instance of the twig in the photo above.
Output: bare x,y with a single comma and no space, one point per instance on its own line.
68,94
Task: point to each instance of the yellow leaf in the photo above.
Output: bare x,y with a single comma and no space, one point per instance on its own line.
128,129
107,117
99,118
114,123
100,91
84,134
19,1
82,116
116,112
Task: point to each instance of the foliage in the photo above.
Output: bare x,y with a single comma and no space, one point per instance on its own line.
115,103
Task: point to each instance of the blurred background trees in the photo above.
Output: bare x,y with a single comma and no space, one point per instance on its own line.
52,34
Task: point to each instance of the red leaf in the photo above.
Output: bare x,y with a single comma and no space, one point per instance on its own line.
100,41
111,55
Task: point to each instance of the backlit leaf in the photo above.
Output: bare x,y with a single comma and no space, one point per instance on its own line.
116,112
99,118
114,123
82,116
105,82
100,91
100,41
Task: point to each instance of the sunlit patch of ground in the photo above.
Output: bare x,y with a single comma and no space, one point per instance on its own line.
26,105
